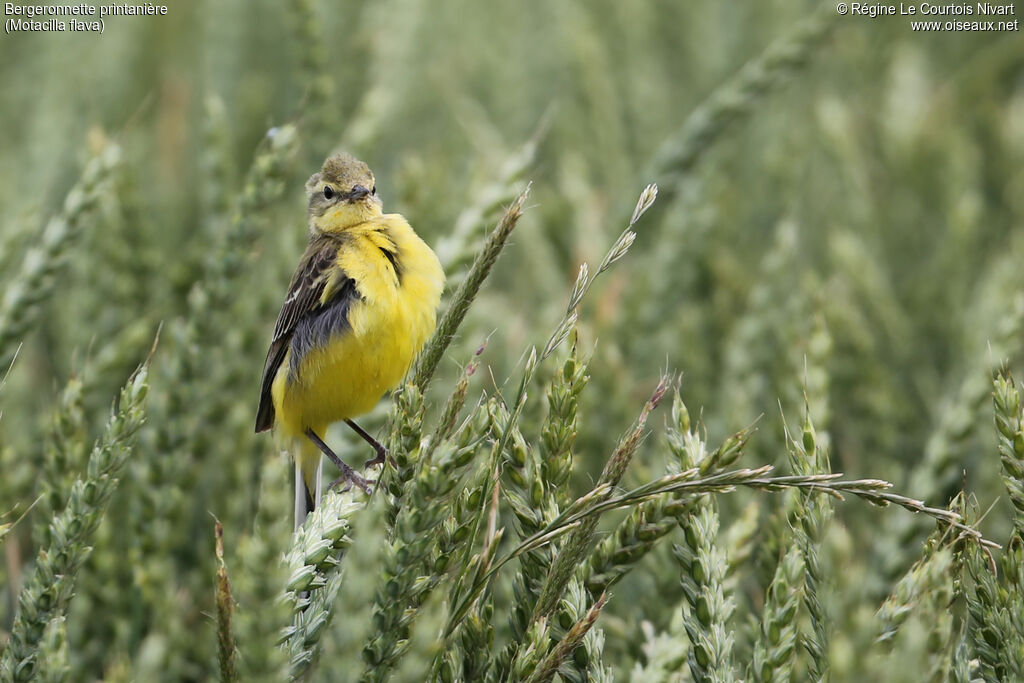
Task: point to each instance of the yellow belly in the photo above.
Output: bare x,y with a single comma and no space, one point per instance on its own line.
347,376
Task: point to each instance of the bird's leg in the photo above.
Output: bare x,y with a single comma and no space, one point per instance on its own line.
382,453
348,475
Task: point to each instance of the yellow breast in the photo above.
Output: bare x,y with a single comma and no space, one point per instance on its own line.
347,376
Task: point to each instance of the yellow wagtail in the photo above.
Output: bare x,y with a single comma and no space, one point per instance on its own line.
360,306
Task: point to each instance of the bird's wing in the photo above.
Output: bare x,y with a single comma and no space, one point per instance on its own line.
316,285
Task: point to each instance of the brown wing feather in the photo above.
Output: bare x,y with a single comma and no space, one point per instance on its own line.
304,297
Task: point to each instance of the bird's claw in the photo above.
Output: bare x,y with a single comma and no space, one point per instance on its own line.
349,478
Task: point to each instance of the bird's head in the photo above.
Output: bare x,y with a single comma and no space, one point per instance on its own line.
342,194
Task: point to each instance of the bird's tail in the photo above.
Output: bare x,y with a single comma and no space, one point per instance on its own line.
308,464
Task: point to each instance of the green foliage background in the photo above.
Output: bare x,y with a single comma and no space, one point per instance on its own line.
838,229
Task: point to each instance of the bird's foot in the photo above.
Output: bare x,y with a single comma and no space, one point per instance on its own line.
349,477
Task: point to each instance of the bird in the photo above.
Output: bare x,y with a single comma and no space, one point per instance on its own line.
362,303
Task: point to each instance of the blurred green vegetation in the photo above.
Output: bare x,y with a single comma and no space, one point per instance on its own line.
839,229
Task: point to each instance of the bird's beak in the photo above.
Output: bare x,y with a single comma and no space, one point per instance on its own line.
357,193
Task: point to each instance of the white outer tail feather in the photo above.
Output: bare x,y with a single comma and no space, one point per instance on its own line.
302,510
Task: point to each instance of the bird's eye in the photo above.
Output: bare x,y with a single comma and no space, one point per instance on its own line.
328,192
373,190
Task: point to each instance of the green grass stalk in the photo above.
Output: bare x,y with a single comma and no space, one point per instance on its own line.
50,588
225,613
27,292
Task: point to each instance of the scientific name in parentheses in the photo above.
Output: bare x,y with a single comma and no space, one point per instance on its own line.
53,25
